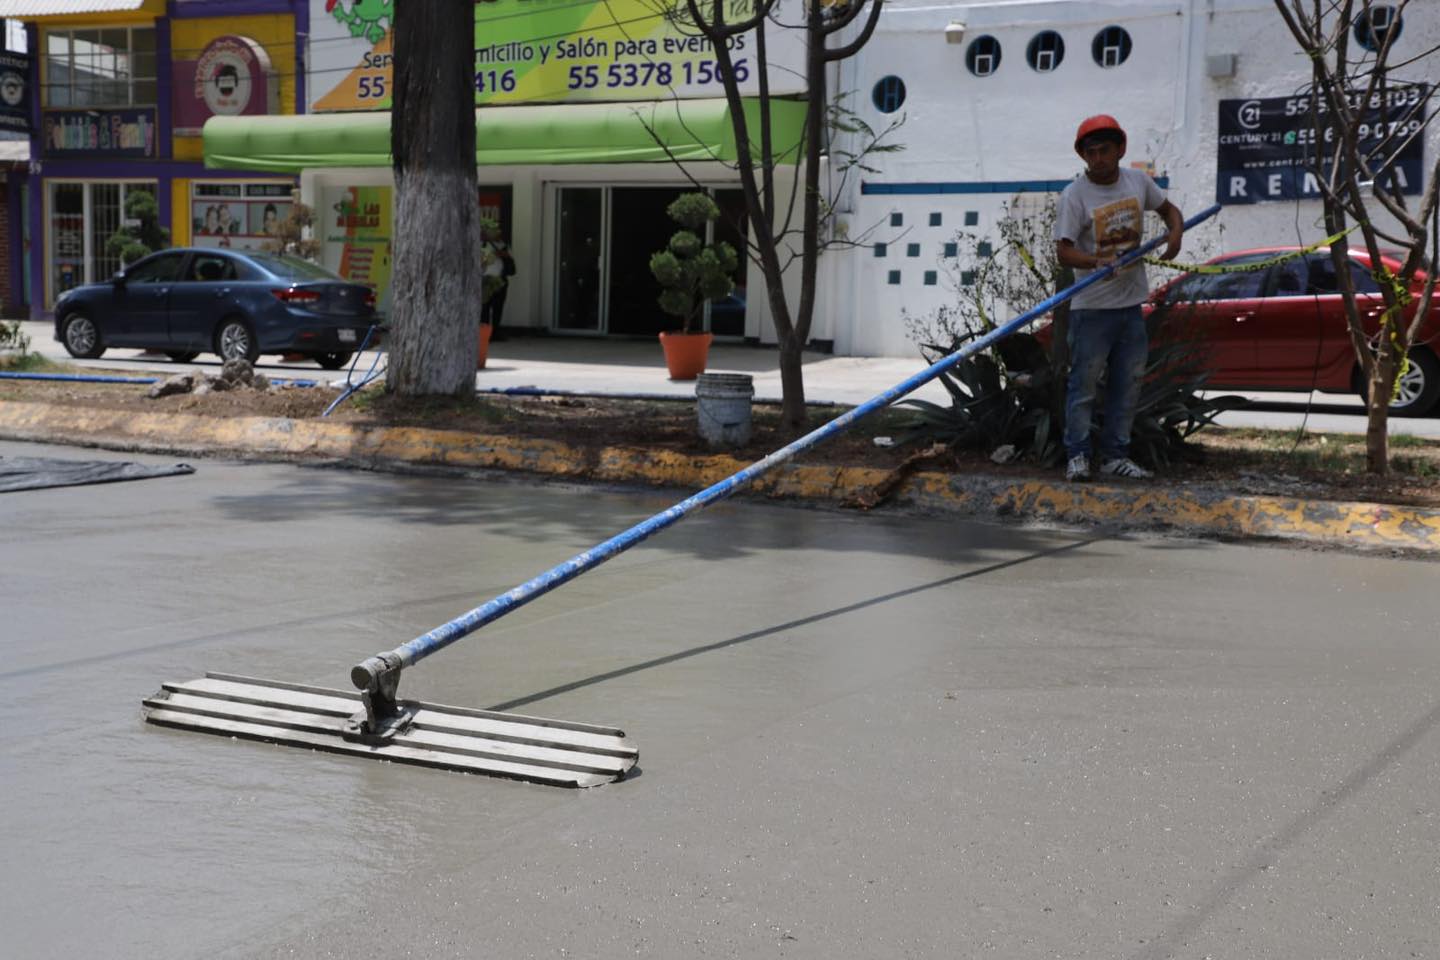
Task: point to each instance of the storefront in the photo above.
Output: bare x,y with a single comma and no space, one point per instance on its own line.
120,97
585,116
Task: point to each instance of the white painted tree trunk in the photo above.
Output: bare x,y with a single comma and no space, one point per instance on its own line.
435,320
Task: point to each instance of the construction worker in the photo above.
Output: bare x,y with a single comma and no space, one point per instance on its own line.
1101,218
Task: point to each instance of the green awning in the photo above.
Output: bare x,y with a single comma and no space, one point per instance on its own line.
693,130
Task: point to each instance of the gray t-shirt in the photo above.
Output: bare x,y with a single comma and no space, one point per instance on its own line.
1115,214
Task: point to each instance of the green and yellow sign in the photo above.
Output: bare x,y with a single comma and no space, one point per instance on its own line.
549,51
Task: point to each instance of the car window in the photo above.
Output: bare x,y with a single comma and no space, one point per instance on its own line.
1322,278
1289,279
1223,286
160,269
292,268
211,267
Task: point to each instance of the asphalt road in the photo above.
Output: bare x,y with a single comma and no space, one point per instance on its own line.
860,735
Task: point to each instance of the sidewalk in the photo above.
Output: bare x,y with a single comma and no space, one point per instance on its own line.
584,365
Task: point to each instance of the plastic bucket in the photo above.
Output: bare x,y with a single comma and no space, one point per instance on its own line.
723,408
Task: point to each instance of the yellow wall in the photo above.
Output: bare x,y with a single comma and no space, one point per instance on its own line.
274,32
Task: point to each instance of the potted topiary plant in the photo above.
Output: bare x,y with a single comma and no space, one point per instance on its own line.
691,273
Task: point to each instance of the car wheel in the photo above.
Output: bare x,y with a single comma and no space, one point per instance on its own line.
1419,385
332,361
82,337
182,356
236,341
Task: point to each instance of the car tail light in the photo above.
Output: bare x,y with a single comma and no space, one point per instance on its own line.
291,295
370,298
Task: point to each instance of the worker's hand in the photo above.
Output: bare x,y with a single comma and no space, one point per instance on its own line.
1101,262
1172,246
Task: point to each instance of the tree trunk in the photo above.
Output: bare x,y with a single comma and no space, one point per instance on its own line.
793,417
436,254
1377,419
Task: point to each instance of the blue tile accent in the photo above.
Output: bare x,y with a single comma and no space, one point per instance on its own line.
967,278
952,249
880,249
983,249
934,219
930,278
912,250
972,217
894,277
896,219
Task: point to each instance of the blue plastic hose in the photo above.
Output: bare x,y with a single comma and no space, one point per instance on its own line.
103,378
390,662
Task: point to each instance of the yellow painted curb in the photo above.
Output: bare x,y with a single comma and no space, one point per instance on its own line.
1194,510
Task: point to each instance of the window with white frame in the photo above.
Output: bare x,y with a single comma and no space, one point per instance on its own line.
983,56
1111,47
1374,26
100,67
1046,51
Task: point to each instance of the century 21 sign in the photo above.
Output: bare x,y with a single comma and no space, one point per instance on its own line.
1270,148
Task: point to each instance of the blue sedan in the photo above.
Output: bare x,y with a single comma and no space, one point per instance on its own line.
188,301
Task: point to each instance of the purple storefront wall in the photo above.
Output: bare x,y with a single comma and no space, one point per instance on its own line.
162,168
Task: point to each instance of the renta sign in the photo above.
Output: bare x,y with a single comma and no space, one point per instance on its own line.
548,51
1267,147
232,77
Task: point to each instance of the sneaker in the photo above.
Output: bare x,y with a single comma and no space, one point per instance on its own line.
1078,468
1125,467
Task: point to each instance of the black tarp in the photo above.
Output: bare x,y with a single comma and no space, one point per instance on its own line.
35,473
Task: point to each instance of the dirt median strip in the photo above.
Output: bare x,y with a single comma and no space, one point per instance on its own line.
1192,509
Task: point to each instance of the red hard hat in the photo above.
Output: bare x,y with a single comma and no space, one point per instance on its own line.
1101,121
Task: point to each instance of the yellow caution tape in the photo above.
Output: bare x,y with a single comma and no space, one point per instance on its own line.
1246,267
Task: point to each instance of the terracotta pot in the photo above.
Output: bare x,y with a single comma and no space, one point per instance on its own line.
685,354
484,346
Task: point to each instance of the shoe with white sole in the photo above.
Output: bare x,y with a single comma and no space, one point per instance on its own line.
1126,468
1077,468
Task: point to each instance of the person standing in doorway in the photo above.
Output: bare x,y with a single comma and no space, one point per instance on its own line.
498,266
1100,219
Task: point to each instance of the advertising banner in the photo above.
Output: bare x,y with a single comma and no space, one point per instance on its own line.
110,133
548,51
1266,147
356,224
241,216
231,78
14,84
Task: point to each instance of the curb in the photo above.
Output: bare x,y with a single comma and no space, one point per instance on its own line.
1192,510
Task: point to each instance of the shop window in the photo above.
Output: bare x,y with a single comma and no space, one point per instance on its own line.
881,249
1111,47
1045,52
83,217
109,67
912,250
889,94
1375,26
983,56
894,278
243,216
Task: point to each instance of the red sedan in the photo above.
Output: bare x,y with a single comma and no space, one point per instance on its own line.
1284,328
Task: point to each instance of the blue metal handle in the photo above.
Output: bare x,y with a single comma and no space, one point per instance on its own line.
442,636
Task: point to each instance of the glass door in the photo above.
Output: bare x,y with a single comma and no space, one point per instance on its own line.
580,264
639,226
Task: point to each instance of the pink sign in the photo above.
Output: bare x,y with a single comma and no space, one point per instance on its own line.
231,78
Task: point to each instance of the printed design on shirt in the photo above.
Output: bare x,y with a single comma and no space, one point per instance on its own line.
1118,227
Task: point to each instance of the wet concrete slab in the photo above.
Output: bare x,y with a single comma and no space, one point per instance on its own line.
860,735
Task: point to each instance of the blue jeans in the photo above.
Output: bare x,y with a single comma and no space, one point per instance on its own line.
1114,342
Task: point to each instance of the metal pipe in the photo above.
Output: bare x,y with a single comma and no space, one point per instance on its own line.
381,666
